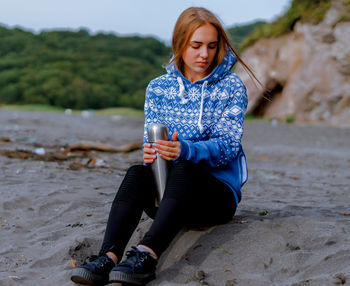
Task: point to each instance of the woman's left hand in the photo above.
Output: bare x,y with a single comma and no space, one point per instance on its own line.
168,150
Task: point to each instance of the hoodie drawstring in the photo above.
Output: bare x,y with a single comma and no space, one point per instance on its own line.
185,100
181,92
200,125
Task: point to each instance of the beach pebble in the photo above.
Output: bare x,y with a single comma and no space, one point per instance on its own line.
339,279
14,277
292,247
200,275
39,151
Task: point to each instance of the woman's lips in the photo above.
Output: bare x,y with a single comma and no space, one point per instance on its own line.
202,64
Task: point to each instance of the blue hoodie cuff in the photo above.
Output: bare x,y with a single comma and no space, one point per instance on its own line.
185,150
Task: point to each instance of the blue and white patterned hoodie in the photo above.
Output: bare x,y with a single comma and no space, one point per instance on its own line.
208,114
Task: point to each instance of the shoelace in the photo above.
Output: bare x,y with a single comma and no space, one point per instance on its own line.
136,257
90,258
93,260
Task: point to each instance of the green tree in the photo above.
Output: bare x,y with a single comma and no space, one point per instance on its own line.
77,70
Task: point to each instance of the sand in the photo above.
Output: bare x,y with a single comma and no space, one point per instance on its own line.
291,228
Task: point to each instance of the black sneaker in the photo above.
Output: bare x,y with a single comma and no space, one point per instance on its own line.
95,272
138,268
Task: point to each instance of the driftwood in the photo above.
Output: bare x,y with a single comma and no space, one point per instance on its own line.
26,154
76,150
89,146
80,151
5,139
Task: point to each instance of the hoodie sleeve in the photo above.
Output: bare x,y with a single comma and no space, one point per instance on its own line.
149,113
151,107
224,143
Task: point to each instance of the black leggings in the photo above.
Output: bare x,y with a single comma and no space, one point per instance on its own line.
193,197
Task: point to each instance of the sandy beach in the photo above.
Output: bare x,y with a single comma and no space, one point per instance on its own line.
292,227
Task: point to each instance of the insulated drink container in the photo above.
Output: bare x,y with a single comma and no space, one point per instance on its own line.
158,131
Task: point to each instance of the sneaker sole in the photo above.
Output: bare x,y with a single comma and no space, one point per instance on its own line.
85,277
138,279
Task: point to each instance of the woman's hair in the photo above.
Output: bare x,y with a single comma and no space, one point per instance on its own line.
188,22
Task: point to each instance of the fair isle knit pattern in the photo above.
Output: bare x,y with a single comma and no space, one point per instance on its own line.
208,115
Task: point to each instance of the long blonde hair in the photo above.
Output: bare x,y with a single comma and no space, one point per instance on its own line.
189,21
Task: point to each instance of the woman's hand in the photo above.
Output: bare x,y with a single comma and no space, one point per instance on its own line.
149,154
168,150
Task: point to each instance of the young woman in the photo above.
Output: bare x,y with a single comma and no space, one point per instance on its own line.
203,104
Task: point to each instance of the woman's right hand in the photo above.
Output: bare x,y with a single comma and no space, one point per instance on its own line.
149,154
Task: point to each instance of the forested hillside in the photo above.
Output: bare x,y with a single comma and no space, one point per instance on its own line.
77,70
239,32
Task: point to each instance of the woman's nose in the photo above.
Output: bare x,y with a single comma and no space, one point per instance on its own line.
204,52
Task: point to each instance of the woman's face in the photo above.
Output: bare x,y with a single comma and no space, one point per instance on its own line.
200,52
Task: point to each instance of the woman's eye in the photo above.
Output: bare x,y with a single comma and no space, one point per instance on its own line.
195,47
212,47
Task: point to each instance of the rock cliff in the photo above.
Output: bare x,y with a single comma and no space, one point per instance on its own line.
306,71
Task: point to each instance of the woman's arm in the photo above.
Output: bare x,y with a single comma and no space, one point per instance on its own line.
225,142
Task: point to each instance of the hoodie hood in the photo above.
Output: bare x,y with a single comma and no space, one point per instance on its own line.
218,73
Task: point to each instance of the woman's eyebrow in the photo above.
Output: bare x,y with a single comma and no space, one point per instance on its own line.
198,42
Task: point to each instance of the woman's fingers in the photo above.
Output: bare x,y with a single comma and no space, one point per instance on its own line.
149,154
168,150
166,145
148,159
175,135
147,149
167,156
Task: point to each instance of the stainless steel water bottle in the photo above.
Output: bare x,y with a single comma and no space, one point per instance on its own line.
158,131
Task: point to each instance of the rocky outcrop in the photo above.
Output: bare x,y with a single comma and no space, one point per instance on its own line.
307,72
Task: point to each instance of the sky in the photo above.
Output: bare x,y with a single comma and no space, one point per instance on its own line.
124,17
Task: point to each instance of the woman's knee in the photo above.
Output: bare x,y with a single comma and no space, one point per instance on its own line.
137,180
137,171
137,175
185,167
181,180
